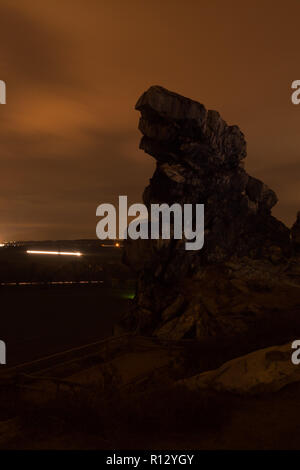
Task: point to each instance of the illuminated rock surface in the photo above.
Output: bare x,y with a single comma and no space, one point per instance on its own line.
263,371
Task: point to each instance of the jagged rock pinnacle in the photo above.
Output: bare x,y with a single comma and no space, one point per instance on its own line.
200,159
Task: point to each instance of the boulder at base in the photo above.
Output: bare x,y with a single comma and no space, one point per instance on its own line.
263,371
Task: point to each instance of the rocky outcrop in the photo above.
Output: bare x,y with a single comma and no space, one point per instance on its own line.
263,371
200,159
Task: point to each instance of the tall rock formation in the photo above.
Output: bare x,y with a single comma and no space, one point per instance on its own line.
218,289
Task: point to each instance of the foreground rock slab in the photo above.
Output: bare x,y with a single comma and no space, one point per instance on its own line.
263,371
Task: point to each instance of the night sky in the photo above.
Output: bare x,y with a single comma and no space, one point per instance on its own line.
74,70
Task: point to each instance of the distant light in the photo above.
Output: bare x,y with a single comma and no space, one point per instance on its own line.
129,295
2,244
115,245
69,253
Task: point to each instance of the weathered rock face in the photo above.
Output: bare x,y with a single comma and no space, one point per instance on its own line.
200,160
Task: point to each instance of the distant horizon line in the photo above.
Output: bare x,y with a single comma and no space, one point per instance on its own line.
60,240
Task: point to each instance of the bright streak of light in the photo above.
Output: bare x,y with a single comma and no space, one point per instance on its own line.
2,244
69,253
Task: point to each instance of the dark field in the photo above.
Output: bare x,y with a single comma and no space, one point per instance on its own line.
36,321
45,318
